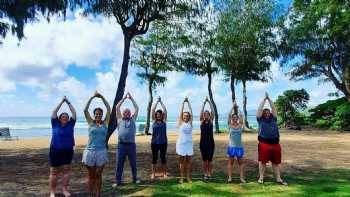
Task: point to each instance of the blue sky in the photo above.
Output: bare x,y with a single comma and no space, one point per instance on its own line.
81,55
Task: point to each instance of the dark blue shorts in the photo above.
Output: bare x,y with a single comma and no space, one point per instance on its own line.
235,152
60,157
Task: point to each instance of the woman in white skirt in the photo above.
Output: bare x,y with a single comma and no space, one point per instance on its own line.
184,143
95,154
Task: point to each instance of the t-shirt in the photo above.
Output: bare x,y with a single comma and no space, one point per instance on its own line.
126,131
268,130
159,133
62,136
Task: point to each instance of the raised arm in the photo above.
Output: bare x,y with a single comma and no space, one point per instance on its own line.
86,111
117,108
136,107
201,114
230,113
153,111
57,108
241,119
165,113
261,108
190,108
273,108
181,112
72,109
108,107
212,116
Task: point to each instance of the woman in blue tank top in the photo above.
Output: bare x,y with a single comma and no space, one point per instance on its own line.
95,155
235,147
61,147
159,142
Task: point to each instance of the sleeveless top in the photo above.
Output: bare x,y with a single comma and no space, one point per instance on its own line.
235,139
185,135
159,133
97,137
207,138
126,131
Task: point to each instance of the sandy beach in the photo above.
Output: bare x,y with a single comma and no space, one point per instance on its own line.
24,164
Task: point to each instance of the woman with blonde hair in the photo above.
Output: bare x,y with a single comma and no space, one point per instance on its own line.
184,143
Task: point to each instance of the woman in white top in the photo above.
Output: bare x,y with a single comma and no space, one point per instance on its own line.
184,143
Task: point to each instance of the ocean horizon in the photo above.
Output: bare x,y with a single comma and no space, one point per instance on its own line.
27,127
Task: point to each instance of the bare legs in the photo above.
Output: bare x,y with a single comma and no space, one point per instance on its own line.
262,168
185,164
153,171
65,180
95,180
163,170
54,172
241,166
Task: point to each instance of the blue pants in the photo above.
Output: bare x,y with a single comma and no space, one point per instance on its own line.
123,151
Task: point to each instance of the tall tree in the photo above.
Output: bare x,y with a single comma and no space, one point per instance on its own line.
16,13
246,38
315,42
134,18
153,56
198,50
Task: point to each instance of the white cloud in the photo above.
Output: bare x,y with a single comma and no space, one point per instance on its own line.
40,60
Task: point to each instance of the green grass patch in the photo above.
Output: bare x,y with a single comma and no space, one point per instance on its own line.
323,183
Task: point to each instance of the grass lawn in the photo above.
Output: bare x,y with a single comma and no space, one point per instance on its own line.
318,184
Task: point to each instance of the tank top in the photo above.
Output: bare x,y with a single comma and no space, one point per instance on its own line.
159,133
207,138
235,139
97,137
185,135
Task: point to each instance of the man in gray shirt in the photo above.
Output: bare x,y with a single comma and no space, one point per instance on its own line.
126,139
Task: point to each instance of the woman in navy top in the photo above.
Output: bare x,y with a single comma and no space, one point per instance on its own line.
61,148
159,137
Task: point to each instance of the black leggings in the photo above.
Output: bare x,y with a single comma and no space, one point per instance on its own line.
159,148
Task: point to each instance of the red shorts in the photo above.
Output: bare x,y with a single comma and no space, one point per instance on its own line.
269,152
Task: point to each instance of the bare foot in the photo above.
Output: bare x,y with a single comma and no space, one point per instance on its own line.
165,175
189,179
66,193
152,176
52,194
181,180
243,180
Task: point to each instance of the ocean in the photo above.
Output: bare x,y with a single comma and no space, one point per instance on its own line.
27,127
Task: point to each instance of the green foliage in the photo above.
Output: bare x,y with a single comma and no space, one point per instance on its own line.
245,39
334,114
289,106
315,42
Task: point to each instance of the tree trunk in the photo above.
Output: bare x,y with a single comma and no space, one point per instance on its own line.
121,86
347,81
149,106
232,86
216,116
245,103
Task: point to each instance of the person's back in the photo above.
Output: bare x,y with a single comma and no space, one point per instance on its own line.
268,129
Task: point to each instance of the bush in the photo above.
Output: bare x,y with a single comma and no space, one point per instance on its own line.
323,124
333,114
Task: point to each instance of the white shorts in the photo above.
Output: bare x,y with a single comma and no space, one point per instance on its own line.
95,158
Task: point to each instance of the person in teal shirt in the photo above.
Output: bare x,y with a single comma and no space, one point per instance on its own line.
235,147
95,155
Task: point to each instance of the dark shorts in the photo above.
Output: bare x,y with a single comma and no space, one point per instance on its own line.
207,152
161,148
269,152
60,157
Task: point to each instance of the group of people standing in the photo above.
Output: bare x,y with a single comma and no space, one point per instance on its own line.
95,155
